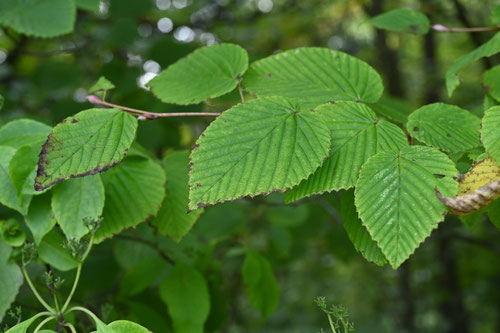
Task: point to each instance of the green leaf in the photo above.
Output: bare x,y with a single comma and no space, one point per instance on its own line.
255,148
356,135
262,288
52,252
87,143
489,102
208,72
489,48
23,132
445,126
11,279
359,236
392,108
141,276
313,76
91,5
12,234
491,82
77,199
101,84
23,326
40,219
2,101
396,200
8,194
47,18
22,169
134,192
185,292
402,20
125,326
101,327
495,14
173,219
490,134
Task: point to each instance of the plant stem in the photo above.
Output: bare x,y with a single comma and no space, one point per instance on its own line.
150,115
442,28
42,323
35,292
56,302
332,326
78,272
241,93
71,327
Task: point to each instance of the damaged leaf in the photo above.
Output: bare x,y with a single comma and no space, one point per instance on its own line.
87,143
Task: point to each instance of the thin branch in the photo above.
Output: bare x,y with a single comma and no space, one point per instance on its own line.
240,89
150,115
442,28
150,244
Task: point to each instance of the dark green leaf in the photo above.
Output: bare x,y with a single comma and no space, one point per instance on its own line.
134,192
52,252
40,219
185,292
173,219
77,199
262,288
402,20
47,18
11,279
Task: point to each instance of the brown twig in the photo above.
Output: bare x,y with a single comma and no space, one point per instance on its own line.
150,115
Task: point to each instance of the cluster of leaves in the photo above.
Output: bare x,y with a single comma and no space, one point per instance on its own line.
311,121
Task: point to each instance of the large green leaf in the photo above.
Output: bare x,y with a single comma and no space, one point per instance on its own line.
47,18
262,288
77,199
87,143
40,219
396,200
392,108
359,236
256,148
173,219
185,292
134,192
23,132
489,48
52,252
402,20
313,76
445,126
11,279
490,132
8,192
125,326
206,73
356,135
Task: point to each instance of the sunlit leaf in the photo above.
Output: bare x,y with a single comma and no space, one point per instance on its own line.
206,73
445,126
396,200
87,143
356,135
313,76
490,133
255,148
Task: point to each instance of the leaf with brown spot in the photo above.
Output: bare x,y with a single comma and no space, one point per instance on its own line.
98,140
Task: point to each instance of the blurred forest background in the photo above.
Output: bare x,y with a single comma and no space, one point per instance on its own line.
450,284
